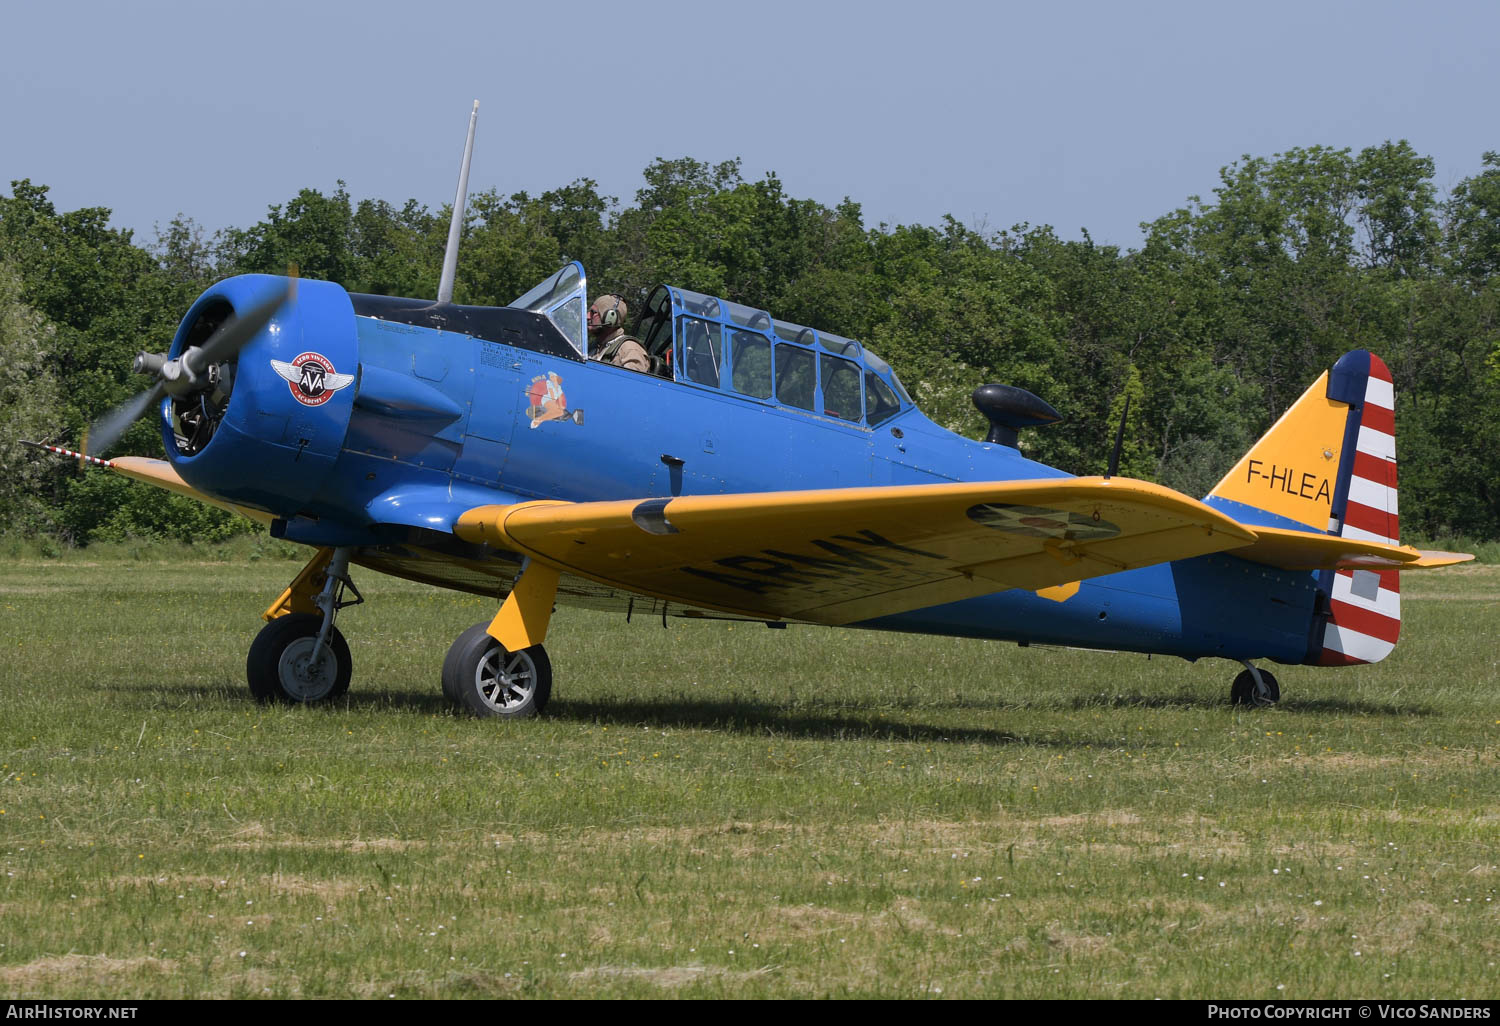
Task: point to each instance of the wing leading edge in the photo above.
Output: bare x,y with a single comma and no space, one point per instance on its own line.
845,555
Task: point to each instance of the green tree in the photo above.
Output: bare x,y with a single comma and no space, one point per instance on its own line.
313,233
507,248
106,298
1473,223
395,251
29,407
184,255
1398,207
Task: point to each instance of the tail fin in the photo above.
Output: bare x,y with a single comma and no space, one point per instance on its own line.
1329,464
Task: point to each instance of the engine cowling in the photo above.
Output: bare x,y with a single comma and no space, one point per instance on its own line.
290,395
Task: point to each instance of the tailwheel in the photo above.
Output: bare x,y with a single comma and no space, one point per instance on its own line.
286,663
1261,693
482,678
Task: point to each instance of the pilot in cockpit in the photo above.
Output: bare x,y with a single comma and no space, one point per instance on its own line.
607,339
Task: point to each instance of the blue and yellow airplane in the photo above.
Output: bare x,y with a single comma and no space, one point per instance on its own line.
761,470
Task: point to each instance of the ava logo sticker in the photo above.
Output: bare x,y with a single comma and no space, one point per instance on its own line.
311,378
1037,522
547,401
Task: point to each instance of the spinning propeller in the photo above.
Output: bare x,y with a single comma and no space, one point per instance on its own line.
190,374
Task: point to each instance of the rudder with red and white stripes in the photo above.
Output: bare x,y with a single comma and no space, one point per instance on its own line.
1364,606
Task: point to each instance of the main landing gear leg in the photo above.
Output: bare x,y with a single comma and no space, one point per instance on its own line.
300,656
1255,687
500,668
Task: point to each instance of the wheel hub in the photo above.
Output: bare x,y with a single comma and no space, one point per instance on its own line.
504,679
304,679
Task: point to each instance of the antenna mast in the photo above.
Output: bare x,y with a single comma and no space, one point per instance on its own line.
460,206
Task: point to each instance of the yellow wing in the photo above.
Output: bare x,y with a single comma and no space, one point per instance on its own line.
845,555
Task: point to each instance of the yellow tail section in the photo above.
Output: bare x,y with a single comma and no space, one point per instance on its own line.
1293,470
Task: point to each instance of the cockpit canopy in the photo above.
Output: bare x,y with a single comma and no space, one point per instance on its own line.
707,342
563,297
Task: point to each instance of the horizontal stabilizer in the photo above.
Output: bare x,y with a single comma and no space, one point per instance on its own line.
1300,550
1432,559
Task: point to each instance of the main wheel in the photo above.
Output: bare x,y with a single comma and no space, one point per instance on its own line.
280,667
482,678
1244,691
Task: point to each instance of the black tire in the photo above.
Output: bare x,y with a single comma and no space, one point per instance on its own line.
277,667
483,679
450,671
1242,692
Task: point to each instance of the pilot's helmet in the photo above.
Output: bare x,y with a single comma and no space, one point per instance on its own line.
608,312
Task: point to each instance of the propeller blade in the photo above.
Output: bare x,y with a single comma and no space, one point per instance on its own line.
241,328
106,431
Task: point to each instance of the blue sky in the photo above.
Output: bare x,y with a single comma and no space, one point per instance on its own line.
1079,115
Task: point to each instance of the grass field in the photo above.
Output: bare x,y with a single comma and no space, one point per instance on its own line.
715,810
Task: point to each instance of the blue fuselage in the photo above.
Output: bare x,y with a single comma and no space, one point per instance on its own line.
440,421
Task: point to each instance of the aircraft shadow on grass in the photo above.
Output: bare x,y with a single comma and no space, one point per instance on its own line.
1193,700
765,718
736,717
761,717
1358,707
